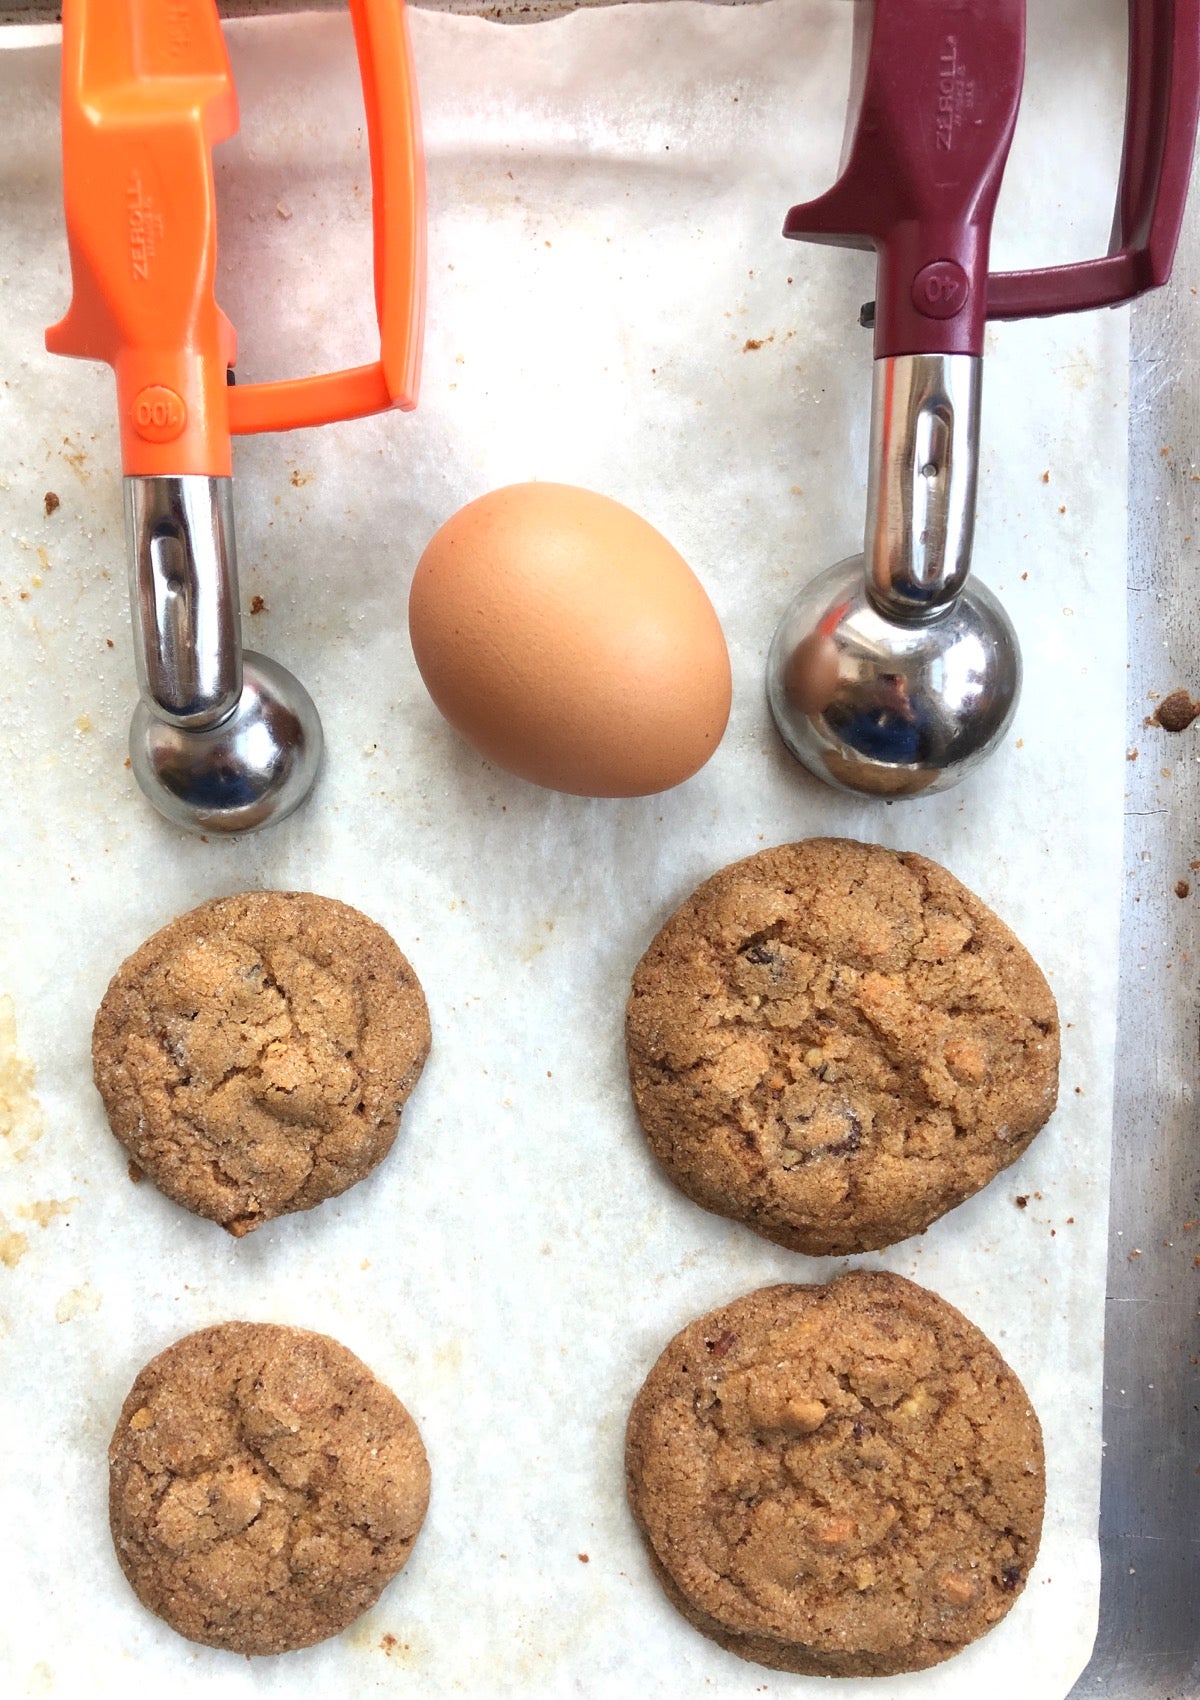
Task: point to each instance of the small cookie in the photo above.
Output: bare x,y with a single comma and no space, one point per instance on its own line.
836,1043
264,1488
837,1481
255,1054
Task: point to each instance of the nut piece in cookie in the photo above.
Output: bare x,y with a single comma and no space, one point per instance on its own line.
838,1481
254,1055
836,1043
264,1487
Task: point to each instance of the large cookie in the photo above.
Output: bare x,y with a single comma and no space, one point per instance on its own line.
835,1044
264,1487
838,1481
254,1055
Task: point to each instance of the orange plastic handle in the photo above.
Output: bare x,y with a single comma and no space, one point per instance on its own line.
147,92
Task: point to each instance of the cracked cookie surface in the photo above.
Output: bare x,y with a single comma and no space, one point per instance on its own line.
255,1054
844,1480
264,1487
836,1043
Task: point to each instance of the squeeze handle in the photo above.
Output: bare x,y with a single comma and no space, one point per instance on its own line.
1161,108
146,93
398,211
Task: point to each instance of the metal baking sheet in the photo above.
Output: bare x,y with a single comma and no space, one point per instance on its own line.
1148,1646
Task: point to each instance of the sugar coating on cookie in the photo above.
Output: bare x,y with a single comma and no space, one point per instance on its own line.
838,1481
836,1043
255,1054
264,1487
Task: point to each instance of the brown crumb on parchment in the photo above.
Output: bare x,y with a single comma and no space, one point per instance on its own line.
1021,1200
257,605
51,501
1183,888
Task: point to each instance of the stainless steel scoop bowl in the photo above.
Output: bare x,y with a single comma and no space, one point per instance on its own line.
222,740
891,674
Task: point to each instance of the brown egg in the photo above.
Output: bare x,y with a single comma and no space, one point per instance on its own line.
570,643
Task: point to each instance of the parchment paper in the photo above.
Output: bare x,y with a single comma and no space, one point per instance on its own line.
610,304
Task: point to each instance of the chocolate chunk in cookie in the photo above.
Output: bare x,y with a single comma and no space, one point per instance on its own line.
838,1481
835,1044
264,1487
254,1055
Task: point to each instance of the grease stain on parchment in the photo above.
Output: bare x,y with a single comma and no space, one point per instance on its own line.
13,1246
79,1301
448,1358
44,1210
21,1120
405,1646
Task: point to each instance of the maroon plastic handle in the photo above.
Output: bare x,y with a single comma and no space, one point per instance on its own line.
1161,109
940,89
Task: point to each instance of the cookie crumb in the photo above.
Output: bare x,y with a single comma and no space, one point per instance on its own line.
1021,1200
51,501
1183,888
257,605
1176,711
135,1174
583,1558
